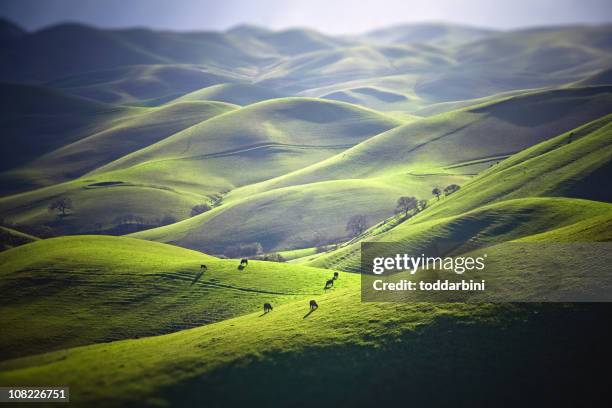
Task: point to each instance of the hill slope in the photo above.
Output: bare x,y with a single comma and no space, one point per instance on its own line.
463,141
70,291
36,120
293,347
197,164
485,209
110,141
142,84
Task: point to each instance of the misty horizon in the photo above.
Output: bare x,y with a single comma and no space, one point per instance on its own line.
337,18
247,25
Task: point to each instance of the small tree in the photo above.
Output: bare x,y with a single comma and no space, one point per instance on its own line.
436,192
199,209
356,225
451,188
61,204
406,204
422,205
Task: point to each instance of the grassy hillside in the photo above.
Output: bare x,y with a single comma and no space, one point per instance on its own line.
341,343
459,142
340,65
113,140
36,120
292,217
195,165
142,84
522,59
484,226
64,48
70,291
369,178
552,168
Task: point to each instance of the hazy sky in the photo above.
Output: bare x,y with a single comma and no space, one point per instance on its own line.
340,16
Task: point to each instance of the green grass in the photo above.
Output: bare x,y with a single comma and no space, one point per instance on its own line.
112,140
489,206
71,291
37,120
342,343
287,218
484,226
197,164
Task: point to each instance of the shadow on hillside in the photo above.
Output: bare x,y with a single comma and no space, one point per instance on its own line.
197,277
527,355
309,313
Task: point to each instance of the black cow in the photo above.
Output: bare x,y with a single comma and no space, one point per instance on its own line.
203,267
313,305
244,262
335,275
267,307
329,284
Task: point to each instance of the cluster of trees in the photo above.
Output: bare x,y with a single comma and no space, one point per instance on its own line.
356,225
131,219
239,250
448,190
273,257
406,205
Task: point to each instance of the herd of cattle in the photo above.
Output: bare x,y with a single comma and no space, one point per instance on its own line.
244,262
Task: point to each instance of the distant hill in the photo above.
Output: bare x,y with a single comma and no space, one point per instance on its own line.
368,178
195,165
36,120
136,129
439,34
142,84
236,93
487,209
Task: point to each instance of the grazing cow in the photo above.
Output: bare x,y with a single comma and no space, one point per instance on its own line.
267,307
313,305
335,275
244,262
203,267
329,284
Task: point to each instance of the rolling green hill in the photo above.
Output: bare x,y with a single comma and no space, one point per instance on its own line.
142,84
484,226
37,120
112,140
342,343
263,140
197,164
340,65
368,178
459,142
70,291
554,168
292,217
